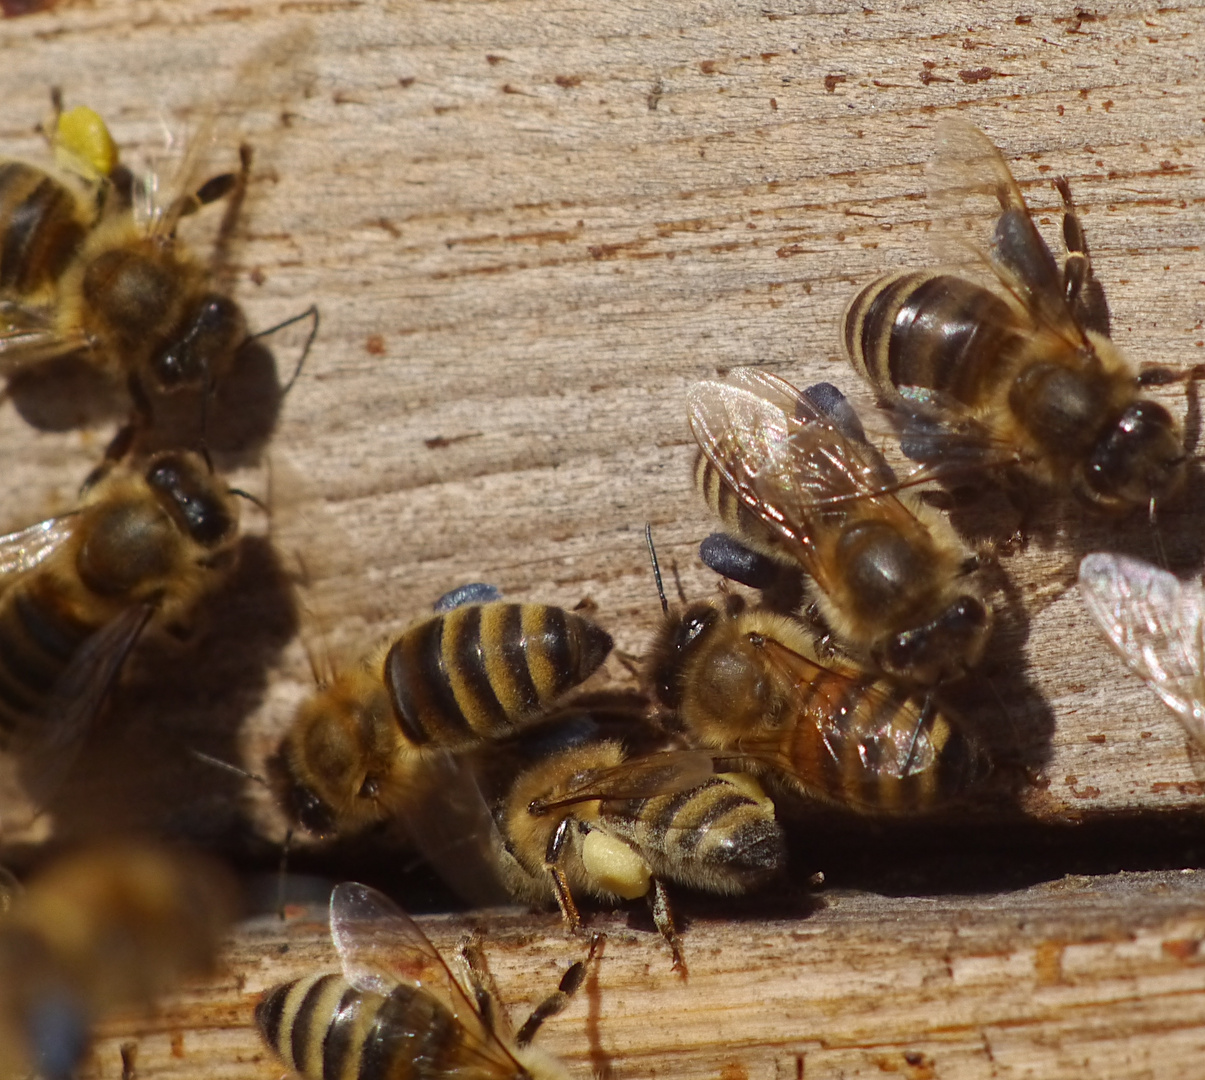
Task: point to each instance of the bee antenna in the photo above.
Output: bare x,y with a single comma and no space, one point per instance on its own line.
240,493
310,313
648,539
218,763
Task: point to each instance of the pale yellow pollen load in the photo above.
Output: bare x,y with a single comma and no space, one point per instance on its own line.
83,145
614,866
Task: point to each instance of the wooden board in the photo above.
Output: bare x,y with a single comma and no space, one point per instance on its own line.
529,227
1100,978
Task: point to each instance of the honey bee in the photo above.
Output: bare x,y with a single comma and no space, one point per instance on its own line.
583,810
86,269
1155,623
105,929
398,1010
358,748
749,684
147,541
1023,378
794,474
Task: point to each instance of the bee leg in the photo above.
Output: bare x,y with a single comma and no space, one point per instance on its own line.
555,1002
560,883
129,1055
663,919
633,663
481,979
1083,290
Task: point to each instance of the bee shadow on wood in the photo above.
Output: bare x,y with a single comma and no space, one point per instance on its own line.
137,772
67,393
234,421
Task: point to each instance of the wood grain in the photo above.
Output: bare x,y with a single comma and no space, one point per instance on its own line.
1100,978
529,226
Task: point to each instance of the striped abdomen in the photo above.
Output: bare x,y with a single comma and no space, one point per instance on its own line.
713,837
725,504
325,1029
38,639
482,670
40,228
936,331
869,744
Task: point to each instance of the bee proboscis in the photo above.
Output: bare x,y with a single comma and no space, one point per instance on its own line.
793,473
398,1010
1019,377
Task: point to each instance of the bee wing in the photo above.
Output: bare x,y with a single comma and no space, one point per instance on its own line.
24,549
968,169
380,946
28,336
665,772
450,824
1154,621
878,747
77,697
784,458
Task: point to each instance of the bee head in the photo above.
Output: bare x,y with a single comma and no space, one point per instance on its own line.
188,491
333,766
679,636
1140,458
306,807
202,346
942,649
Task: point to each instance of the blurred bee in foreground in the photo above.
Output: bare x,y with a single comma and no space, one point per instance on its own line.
148,540
1023,377
358,748
99,931
749,684
794,475
583,807
398,1010
1155,622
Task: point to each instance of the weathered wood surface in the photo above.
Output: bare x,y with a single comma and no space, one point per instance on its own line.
1076,978
529,227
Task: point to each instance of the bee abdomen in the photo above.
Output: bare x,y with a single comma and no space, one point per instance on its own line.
317,1025
726,504
881,750
481,670
37,642
413,1037
39,228
936,331
325,1029
713,836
